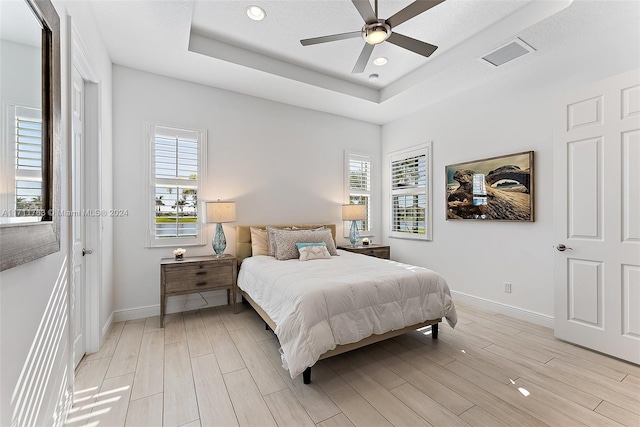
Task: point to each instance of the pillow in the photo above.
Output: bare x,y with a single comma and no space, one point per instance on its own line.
302,245
259,244
285,241
314,251
271,242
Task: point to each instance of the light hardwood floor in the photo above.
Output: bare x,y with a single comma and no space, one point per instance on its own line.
214,368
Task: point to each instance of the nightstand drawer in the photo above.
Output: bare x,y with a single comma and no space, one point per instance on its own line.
193,277
378,252
195,274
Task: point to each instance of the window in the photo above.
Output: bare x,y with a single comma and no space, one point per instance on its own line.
22,163
411,193
176,170
358,187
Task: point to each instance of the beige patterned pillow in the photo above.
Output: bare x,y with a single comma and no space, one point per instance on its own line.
314,252
285,241
259,244
271,241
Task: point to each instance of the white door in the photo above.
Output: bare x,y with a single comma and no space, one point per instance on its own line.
78,275
597,216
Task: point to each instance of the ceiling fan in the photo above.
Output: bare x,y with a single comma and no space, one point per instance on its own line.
376,31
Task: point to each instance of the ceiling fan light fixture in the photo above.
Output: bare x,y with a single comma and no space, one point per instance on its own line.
256,13
379,61
376,33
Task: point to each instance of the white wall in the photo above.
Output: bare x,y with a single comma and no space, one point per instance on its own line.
32,292
507,115
281,164
20,70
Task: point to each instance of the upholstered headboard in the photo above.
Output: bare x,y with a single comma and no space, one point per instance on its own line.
243,236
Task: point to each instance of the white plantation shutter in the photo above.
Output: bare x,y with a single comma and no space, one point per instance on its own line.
28,160
358,175
21,164
177,166
410,193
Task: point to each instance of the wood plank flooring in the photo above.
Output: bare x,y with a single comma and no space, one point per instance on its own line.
214,368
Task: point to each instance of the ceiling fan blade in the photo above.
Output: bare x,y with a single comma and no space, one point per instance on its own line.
417,46
366,11
414,9
332,38
363,58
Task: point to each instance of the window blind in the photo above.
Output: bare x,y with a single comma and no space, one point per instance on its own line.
359,185
28,161
409,198
176,173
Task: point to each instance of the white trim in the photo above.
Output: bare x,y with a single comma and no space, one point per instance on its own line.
427,149
372,199
506,309
175,304
79,58
149,190
106,328
136,313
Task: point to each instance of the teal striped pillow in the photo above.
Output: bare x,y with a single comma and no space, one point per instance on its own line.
304,245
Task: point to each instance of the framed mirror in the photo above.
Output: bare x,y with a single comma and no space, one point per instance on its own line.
29,131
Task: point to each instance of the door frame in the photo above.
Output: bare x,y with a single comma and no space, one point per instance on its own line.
79,59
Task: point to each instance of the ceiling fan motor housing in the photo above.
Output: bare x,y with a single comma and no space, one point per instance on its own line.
377,32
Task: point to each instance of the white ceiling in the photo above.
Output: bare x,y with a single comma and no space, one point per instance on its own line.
278,35
213,42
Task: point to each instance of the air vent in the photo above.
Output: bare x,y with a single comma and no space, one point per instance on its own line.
508,52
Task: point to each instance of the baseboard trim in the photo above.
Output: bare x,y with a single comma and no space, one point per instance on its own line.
106,328
509,310
175,304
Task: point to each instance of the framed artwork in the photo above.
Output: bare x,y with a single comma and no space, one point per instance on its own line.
495,189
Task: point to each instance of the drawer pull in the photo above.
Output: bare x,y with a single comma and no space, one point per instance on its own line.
201,283
200,273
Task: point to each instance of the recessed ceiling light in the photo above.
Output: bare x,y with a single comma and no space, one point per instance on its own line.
381,60
373,77
256,13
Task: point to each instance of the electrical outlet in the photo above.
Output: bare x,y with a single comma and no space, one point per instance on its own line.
507,287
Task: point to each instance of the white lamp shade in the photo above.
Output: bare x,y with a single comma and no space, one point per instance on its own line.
354,212
221,212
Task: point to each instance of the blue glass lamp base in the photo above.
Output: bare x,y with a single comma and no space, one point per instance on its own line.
354,234
219,242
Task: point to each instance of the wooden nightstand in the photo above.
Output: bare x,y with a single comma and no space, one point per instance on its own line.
197,274
378,251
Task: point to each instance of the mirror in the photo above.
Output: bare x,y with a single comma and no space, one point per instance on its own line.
29,131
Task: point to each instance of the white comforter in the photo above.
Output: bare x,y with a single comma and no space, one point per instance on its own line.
321,303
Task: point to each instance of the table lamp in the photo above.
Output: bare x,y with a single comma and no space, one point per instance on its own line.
354,213
218,213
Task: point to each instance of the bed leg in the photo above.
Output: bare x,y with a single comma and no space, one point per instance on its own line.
306,376
266,326
434,331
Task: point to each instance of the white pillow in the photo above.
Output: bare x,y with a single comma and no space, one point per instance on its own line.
314,252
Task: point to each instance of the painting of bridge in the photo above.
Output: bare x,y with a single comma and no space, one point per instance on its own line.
498,188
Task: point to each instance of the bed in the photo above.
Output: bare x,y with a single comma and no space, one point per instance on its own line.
322,308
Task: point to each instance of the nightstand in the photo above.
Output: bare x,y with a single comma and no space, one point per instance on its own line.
378,251
197,274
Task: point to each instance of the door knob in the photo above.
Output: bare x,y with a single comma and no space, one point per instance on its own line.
86,251
563,248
